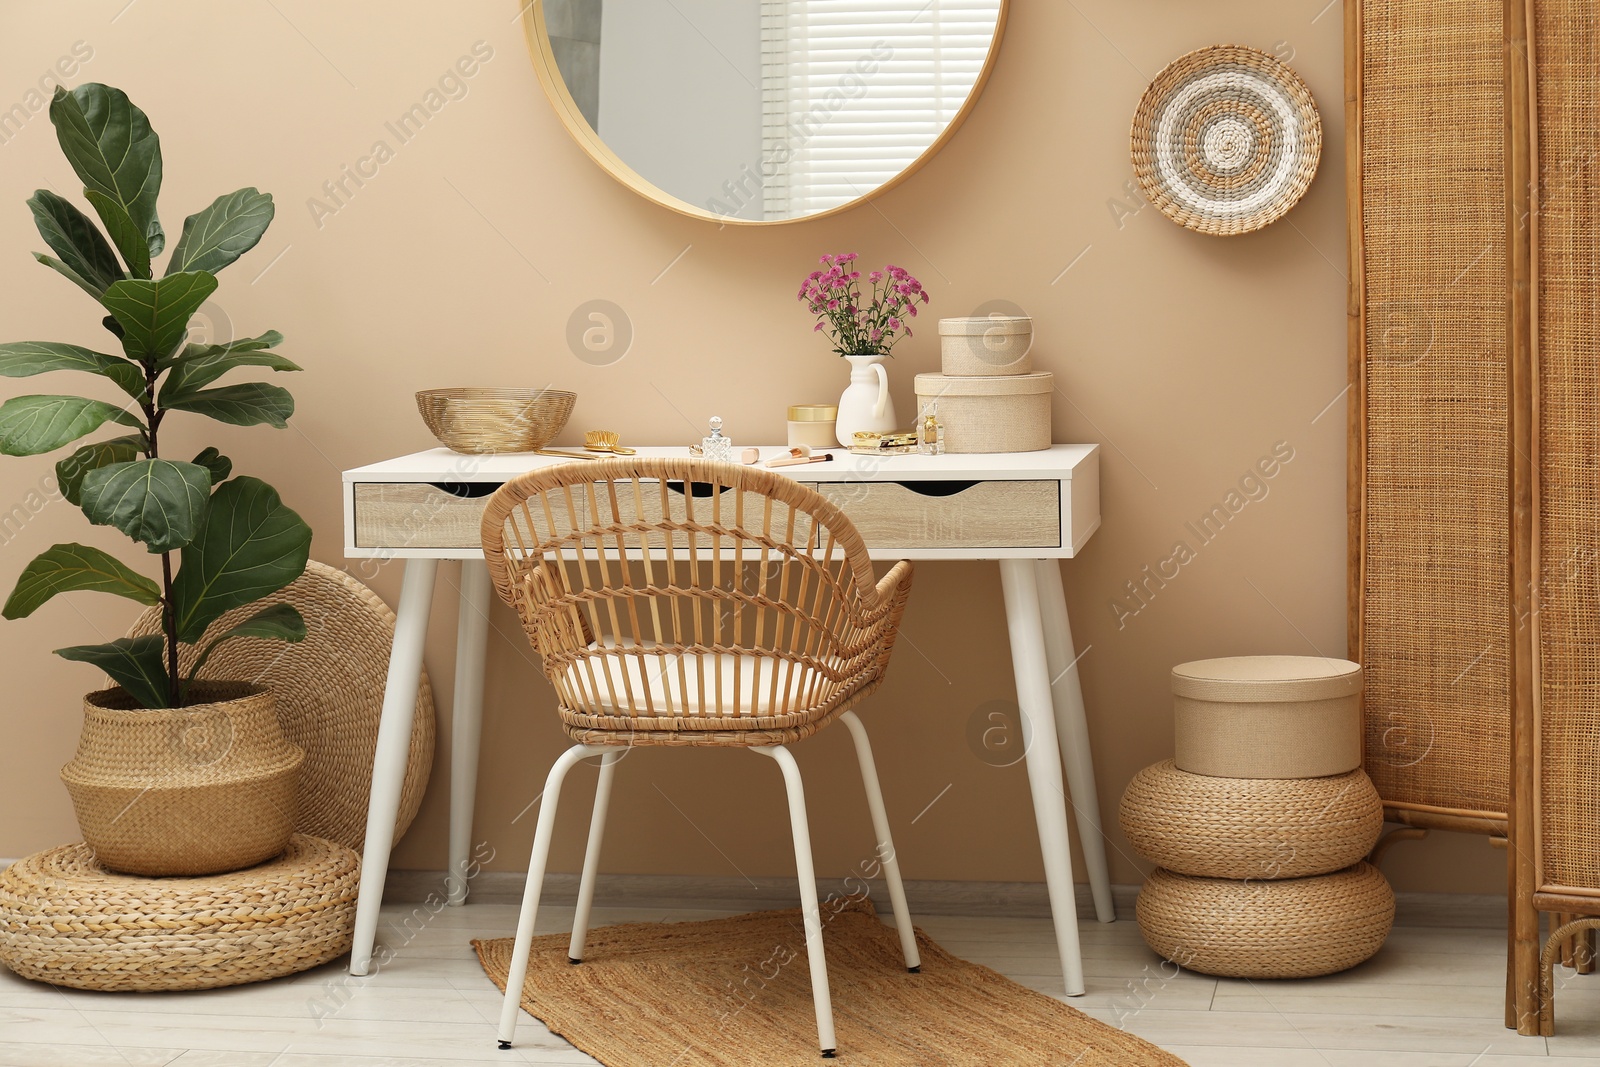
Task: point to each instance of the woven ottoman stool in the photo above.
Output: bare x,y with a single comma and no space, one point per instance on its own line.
66,921
1260,823
1292,928
1250,827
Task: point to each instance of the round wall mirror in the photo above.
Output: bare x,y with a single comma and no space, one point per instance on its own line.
763,111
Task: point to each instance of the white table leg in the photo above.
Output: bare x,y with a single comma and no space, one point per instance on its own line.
1072,730
472,641
394,749
1028,660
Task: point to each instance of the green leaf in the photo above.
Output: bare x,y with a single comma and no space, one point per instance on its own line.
70,471
223,232
23,358
114,151
135,663
277,622
31,425
64,568
249,545
156,502
124,231
247,404
68,273
200,365
154,315
270,339
77,240
216,464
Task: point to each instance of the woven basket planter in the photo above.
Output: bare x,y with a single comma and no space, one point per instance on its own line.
184,791
1296,928
328,693
1258,828
68,921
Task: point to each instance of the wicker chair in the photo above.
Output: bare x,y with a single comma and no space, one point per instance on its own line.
683,602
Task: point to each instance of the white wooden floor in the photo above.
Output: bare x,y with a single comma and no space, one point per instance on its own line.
1432,998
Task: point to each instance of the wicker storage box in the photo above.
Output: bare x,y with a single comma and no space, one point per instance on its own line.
998,413
1250,827
1267,716
985,345
1296,928
68,921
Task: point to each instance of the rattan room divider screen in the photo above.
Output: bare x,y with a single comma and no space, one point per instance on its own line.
1429,445
1561,718
1474,180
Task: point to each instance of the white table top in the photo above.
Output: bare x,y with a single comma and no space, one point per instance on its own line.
443,465
1075,467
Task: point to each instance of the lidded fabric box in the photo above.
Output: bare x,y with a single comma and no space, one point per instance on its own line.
1267,716
993,413
982,345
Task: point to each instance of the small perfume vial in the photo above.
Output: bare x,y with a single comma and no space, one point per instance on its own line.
717,447
930,431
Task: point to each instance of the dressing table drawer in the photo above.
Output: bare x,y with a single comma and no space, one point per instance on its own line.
953,514
418,515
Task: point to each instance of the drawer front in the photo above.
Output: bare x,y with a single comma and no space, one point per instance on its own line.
416,515
648,510
996,514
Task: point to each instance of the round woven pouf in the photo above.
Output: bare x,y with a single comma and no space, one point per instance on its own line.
1259,828
69,922
1294,928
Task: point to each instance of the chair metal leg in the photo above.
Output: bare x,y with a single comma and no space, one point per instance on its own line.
530,895
808,894
884,843
591,855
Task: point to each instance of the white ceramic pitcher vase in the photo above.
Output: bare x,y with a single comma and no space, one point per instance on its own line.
865,403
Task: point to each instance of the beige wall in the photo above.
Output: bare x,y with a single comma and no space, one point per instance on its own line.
1187,357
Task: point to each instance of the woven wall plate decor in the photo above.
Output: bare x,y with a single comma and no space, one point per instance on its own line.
329,694
1226,140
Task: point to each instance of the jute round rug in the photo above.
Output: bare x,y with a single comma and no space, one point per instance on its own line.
736,993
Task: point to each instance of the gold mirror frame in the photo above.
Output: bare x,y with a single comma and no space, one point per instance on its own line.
555,87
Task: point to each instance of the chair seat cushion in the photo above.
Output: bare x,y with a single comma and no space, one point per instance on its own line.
630,679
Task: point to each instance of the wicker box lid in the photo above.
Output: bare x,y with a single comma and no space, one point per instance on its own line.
1266,679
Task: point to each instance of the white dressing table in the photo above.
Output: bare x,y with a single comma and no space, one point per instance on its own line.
1026,509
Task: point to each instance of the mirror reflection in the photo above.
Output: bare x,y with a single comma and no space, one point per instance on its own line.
770,109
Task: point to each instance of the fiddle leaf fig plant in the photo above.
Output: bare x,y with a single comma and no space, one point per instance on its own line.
234,539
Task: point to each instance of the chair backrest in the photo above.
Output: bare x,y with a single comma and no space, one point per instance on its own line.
660,588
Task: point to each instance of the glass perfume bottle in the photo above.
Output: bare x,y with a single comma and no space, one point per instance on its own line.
717,447
930,431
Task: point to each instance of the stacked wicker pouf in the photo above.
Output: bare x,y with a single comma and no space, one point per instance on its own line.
66,920
1261,822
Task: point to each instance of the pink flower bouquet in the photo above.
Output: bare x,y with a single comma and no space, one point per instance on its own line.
858,323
